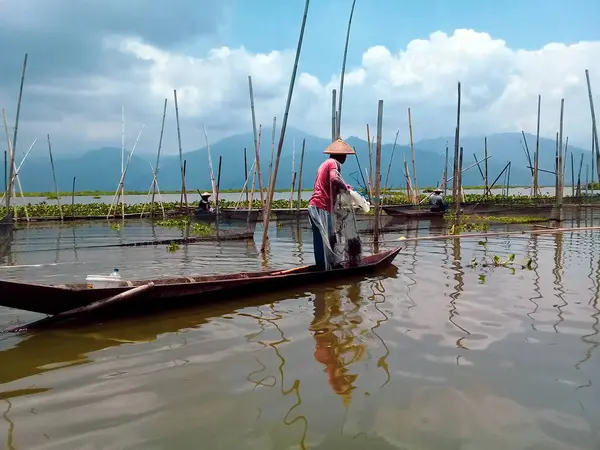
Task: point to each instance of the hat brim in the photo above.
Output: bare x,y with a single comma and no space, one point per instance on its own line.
339,147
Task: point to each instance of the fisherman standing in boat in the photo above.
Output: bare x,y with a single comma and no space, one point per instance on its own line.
437,202
205,202
328,185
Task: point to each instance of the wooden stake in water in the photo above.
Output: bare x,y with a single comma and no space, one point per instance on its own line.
595,130
54,179
387,175
246,174
536,158
412,150
122,191
267,212
572,176
115,200
339,109
369,148
183,188
256,147
559,194
14,139
377,173
217,209
73,198
210,165
485,180
455,186
155,175
300,176
272,152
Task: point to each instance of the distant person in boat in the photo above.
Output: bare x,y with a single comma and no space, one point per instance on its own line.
437,202
328,185
205,202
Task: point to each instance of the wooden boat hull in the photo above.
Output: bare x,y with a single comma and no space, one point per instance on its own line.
410,212
172,293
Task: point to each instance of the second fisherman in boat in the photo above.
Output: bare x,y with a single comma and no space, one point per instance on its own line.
205,202
328,185
437,202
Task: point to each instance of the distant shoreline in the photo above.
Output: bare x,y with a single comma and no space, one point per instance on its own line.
52,195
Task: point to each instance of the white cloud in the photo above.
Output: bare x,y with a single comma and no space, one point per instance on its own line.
500,86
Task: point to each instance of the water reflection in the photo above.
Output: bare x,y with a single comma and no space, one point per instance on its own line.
371,363
335,342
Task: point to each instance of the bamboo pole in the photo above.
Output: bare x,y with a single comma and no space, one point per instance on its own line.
479,167
595,130
115,200
378,172
559,198
455,185
370,150
183,188
292,190
272,152
267,213
593,153
60,211
5,173
246,174
155,176
73,198
536,163
459,174
339,109
210,165
387,175
256,145
15,135
333,116
254,174
572,176
300,176
217,209
122,191
412,149
11,157
579,176
485,180
445,184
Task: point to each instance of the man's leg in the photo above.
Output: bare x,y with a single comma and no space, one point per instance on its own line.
318,247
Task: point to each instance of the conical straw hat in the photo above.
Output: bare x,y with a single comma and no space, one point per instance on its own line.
339,147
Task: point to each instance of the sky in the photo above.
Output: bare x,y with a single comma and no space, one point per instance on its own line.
88,59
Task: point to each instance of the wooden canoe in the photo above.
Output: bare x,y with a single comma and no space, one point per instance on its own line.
410,212
175,292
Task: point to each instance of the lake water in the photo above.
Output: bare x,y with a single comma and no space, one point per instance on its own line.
430,354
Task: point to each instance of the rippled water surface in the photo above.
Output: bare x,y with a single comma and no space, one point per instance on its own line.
430,354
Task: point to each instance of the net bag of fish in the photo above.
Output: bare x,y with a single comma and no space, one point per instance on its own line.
347,245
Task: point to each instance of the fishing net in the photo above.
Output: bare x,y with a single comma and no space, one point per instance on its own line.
339,230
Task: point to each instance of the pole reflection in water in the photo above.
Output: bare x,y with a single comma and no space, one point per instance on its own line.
458,288
558,286
271,381
534,252
11,427
378,298
594,277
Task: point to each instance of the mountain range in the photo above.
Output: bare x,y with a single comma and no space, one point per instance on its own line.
100,169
